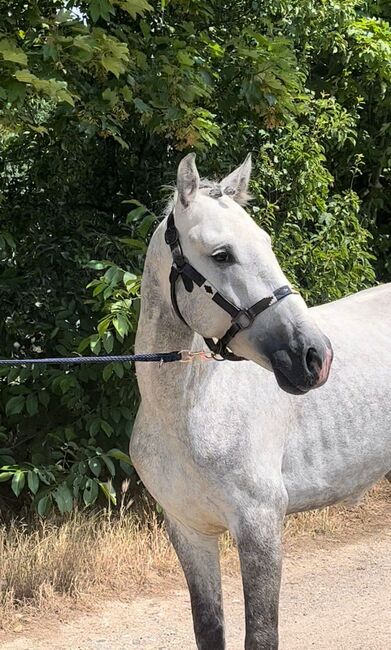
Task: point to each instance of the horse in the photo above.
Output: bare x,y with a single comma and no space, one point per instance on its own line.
277,428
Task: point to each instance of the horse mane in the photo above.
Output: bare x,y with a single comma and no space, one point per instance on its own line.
215,191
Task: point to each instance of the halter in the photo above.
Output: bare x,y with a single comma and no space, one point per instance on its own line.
241,318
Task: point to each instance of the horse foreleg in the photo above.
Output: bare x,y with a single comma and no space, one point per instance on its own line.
258,536
199,557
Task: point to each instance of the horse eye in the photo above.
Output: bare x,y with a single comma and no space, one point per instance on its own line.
222,257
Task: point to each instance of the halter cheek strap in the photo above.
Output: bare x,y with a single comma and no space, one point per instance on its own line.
241,318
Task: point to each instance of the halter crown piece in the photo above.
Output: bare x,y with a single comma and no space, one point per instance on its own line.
241,318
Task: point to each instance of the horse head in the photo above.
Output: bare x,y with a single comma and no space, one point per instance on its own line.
233,288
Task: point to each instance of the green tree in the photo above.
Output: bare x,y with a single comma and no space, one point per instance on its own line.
98,102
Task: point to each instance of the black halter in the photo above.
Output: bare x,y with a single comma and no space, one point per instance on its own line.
241,318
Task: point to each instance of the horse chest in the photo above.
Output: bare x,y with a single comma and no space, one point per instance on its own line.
195,470
171,474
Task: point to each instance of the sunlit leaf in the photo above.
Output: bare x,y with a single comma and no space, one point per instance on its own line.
11,52
135,7
5,476
120,455
108,491
18,482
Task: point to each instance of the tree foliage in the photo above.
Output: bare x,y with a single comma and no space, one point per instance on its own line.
98,101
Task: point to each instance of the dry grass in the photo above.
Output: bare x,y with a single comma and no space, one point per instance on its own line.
47,565
46,562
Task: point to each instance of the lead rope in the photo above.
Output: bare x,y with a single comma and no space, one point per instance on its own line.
183,356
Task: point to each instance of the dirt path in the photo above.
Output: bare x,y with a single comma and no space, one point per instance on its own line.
335,595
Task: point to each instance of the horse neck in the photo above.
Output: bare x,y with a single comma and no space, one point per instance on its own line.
160,329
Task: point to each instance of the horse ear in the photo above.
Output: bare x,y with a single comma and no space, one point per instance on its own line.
236,183
188,179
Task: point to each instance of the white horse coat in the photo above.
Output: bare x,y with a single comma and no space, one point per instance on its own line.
219,444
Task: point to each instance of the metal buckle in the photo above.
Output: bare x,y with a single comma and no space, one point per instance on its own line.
243,319
179,262
187,356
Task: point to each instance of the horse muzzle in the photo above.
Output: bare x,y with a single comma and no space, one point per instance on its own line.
298,371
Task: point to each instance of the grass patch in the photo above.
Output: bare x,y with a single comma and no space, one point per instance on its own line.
47,565
42,562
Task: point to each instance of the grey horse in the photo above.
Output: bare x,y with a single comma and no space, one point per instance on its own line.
224,446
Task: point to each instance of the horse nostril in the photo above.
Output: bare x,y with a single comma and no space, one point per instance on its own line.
313,361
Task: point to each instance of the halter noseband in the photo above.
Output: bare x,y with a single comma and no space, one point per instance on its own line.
241,318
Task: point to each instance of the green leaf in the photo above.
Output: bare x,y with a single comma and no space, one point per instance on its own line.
97,265
120,455
64,498
184,58
134,243
108,342
44,397
127,469
18,482
53,88
13,373
4,476
33,481
25,76
94,426
136,213
107,372
114,65
120,141
11,52
95,466
110,96
91,491
109,464
43,505
100,9
98,289
127,94
32,404
118,369
106,427
95,344
15,405
9,239
108,491
145,225
6,460
16,92
141,106
135,7
130,279
50,51
44,476
121,325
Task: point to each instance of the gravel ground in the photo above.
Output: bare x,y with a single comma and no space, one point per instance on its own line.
335,595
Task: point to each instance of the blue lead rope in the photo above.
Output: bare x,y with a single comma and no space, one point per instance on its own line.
162,357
